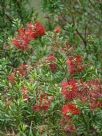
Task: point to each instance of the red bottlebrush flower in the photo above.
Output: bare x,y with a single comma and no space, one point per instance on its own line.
79,59
30,32
53,67
22,40
44,103
37,108
58,29
91,92
75,65
26,35
30,26
95,104
70,109
68,124
31,35
83,92
12,78
22,70
36,30
51,58
21,43
21,32
70,89
45,97
45,107
95,94
39,29
95,85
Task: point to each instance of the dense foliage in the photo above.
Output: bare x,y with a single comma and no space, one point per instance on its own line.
51,75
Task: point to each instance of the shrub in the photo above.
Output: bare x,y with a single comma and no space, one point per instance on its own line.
50,87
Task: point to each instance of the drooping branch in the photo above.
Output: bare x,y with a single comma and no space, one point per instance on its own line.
82,38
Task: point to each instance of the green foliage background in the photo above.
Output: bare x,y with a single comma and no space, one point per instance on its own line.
81,23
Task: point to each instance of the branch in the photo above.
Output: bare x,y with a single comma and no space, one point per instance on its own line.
83,39
80,35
